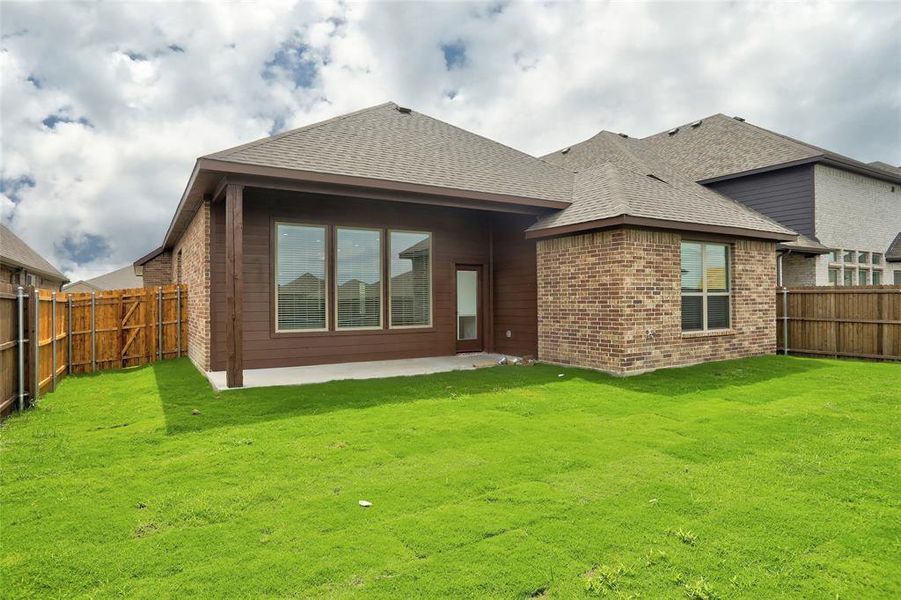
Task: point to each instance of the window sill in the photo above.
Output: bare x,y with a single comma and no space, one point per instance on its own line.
348,332
707,334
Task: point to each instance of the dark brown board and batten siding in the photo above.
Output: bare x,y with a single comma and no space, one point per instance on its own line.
786,195
459,236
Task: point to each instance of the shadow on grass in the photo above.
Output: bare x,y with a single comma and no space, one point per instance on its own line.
183,390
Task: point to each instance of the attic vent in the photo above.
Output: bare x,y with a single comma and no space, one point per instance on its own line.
564,151
673,131
742,119
404,109
655,177
622,135
696,123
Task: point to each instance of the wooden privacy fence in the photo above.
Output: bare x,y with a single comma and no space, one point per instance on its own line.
83,333
863,322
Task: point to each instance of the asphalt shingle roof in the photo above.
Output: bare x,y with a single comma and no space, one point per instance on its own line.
718,145
123,278
16,252
382,142
622,176
893,254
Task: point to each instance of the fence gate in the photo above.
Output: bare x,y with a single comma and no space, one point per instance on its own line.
83,333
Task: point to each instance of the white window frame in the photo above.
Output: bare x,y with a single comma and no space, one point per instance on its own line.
704,294
431,281
326,242
382,286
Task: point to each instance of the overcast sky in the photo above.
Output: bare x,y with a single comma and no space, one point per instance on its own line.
105,107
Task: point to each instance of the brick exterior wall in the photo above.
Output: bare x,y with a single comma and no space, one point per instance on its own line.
611,300
16,276
191,256
158,271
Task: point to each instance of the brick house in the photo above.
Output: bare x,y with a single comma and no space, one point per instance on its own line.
21,265
387,234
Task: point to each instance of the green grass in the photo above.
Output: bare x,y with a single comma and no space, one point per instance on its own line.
763,478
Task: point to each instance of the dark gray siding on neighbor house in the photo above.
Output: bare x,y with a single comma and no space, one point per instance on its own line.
785,195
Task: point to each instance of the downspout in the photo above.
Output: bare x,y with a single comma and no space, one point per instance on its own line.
20,300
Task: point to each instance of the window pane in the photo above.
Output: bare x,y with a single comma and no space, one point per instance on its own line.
411,274
833,276
300,259
691,267
717,268
862,277
717,312
877,258
897,277
358,269
848,256
863,257
877,278
849,277
833,255
692,319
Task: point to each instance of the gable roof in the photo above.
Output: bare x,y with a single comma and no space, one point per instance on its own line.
388,142
719,146
893,254
15,252
123,278
621,177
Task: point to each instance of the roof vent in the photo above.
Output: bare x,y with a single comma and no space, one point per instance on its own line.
404,109
564,151
673,131
655,177
742,119
622,135
696,123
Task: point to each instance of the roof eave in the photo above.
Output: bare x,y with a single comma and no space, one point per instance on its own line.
832,161
624,220
37,271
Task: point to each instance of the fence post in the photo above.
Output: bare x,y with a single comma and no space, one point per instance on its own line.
20,301
159,323
69,332
93,332
36,345
785,321
53,341
178,321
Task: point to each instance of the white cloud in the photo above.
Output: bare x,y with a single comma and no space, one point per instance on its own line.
156,85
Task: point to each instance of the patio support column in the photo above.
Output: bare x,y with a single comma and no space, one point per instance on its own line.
234,284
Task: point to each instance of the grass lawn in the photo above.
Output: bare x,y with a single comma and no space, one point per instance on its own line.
762,478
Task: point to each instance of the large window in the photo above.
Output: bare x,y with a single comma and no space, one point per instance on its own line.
301,290
705,286
358,271
410,285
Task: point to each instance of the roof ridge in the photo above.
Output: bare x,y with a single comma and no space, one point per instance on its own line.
222,154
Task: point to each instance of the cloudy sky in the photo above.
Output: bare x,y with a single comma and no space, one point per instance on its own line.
105,107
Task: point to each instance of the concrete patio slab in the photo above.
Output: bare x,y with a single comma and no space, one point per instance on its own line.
375,369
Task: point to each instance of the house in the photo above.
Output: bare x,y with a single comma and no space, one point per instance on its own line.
21,265
848,213
387,234
123,278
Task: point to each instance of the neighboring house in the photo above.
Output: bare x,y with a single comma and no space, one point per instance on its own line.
847,212
21,265
123,278
387,234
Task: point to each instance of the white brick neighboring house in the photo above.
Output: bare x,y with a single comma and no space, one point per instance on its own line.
857,213
847,212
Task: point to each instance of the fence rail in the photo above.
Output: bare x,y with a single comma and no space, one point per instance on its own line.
861,322
81,333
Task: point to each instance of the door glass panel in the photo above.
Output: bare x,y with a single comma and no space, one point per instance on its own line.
467,305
